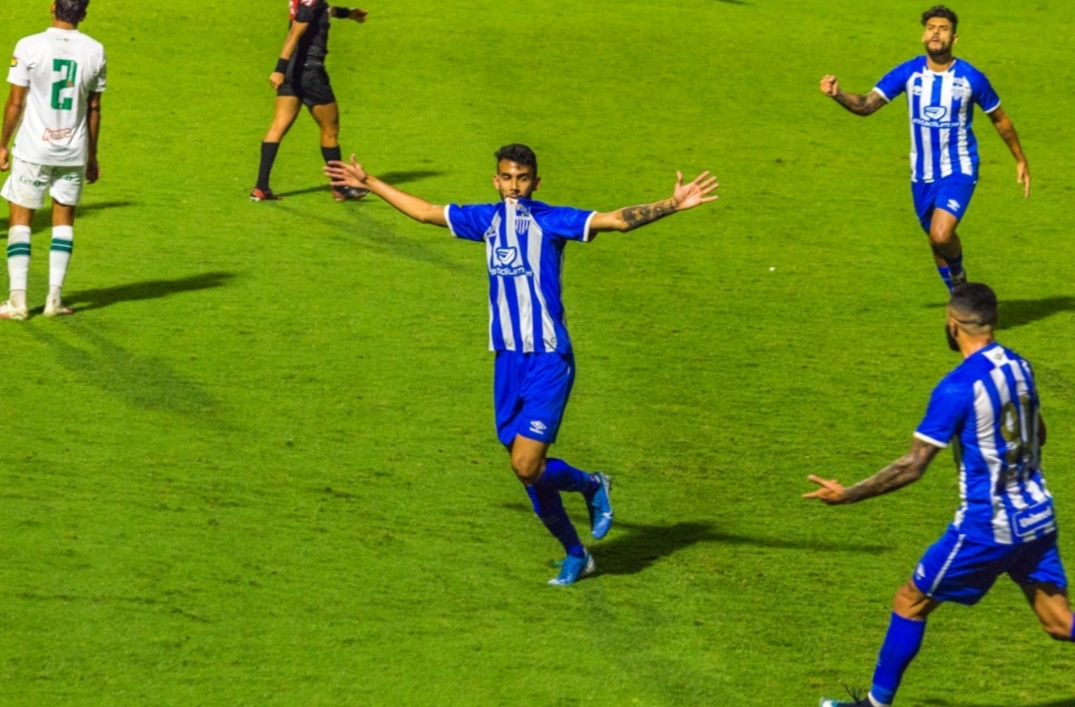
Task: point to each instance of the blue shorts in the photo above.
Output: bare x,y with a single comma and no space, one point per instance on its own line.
959,569
952,194
530,392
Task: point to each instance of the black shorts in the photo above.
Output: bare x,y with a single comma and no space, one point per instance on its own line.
310,84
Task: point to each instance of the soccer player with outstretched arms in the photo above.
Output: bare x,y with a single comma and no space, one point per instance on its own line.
56,78
989,410
535,367
941,93
300,79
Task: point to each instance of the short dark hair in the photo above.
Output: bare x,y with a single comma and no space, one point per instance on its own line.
976,300
519,154
940,11
73,11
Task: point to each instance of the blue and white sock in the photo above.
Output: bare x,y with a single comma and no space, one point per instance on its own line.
901,645
946,275
561,476
550,509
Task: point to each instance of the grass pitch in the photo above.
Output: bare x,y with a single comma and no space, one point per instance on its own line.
258,466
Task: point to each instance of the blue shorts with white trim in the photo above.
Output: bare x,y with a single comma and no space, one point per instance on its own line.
530,393
952,194
960,569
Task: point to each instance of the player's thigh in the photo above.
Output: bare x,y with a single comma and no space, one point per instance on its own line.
546,391
959,569
952,196
26,186
1053,608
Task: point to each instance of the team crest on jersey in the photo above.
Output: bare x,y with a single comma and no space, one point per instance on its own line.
935,112
522,224
14,61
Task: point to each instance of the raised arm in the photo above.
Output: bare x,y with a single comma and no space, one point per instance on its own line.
905,470
93,115
348,13
16,104
1004,126
685,196
854,102
354,175
293,36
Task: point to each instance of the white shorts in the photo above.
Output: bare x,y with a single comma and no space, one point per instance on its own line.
28,182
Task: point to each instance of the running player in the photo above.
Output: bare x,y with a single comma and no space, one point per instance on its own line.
535,368
300,79
941,91
56,78
989,407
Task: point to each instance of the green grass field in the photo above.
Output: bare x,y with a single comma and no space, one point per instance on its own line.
258,467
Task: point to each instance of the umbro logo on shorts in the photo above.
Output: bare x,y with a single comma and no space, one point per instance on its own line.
538,427
954,205
920,572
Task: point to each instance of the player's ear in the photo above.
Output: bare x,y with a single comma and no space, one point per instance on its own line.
537,183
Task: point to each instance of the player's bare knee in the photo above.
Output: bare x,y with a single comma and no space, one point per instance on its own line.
528,470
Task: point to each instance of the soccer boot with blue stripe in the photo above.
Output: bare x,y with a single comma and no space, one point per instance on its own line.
600,507
572,569
856,701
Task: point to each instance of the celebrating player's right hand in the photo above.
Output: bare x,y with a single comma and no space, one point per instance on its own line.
830,86
93,170
688,196
346,175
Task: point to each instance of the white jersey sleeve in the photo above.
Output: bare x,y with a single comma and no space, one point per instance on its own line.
61,68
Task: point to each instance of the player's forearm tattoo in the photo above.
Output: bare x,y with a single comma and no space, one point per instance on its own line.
858,104
636,216
905,470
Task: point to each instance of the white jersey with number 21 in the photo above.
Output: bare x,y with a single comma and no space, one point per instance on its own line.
61,67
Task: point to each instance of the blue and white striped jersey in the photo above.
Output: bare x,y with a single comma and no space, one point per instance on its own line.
524,251
989,404
942,110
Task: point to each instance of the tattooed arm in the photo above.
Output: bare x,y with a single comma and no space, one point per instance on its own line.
905,470
685,196
856,103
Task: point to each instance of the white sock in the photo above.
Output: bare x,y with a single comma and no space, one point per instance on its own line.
63,241
18,262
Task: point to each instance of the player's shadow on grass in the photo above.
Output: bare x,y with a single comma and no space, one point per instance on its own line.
86,300
43,217
1019,312
393,178
945,703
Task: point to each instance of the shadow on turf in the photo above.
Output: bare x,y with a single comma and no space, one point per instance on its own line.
637,546
43,217
86,300
1018,312
387,177
945,703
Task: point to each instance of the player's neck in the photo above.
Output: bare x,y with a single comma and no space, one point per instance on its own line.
970,345
941,63
60,24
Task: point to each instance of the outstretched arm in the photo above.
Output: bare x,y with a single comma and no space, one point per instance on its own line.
905,470
348,13
854,102
16,104
1004,126
354,175
93,111
685,196
276,79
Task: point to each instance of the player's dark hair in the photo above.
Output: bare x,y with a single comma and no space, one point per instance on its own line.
977,301
940,11
519,154
73,11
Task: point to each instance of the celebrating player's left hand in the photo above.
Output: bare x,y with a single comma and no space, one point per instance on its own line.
831,492
358,15
688,196
1023,170
93,170
5,159
346,175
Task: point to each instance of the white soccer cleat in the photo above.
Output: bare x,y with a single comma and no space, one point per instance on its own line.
56,309
9,311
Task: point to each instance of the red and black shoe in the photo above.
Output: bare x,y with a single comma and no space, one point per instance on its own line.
348,193
264,195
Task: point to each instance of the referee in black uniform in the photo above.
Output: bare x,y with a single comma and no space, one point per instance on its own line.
300,79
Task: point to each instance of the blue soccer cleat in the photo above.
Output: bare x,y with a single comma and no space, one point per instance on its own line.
572,569
600,507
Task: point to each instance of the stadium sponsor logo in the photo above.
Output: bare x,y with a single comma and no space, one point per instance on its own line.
954,205
538,427
940,124
57,134
507,263
1034,518
935,112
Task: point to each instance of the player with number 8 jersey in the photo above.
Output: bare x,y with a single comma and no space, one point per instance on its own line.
56,78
